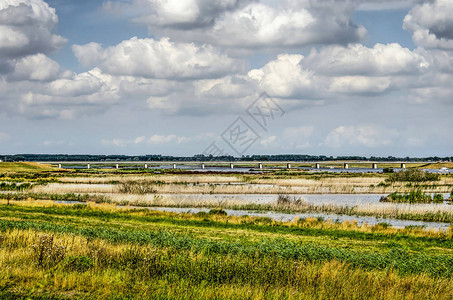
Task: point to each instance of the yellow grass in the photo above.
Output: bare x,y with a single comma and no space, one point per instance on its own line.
24,167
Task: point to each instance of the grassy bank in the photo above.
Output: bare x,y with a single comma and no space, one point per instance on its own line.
101,251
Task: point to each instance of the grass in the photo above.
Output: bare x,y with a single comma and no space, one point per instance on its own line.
415,196
13,167
100,251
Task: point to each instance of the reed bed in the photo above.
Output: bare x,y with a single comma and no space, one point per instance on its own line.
60,188
229,188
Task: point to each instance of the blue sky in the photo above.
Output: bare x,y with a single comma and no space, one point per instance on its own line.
358,77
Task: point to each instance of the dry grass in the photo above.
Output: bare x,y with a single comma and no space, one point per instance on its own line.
59,188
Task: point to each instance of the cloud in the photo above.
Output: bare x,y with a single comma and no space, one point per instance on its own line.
26,29
67,98
356,59
183,15
162,58
366,135
431,24
36,67
164,139
269,141
247,24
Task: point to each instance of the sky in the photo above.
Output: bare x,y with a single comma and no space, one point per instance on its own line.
235,77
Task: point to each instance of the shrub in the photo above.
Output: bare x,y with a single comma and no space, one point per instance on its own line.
286,200
416,196
217,212
412,175
438,198
136,187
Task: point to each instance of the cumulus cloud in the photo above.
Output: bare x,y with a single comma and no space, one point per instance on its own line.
258,25
247,24
367,135
151,58
184,15
357,59
431,24
36,67
26,28
66,98
334,71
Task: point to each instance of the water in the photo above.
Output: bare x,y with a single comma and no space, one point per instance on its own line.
250,170
334,217
318,199
285,217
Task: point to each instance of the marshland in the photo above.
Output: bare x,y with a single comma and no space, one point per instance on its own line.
172,233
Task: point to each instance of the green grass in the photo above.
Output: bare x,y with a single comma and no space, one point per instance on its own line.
85,252
6,167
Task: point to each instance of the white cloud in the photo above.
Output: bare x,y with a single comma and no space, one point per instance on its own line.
268,141
26,28
183,14
246,24
284,77
67,98
164,139
431,24
35,67
151,58
356,59
367,135
140,140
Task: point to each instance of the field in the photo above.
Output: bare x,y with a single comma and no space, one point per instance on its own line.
96,234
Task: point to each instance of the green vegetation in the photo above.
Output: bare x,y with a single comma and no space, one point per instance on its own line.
87,252
412,175
28,167
5,186
416,196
